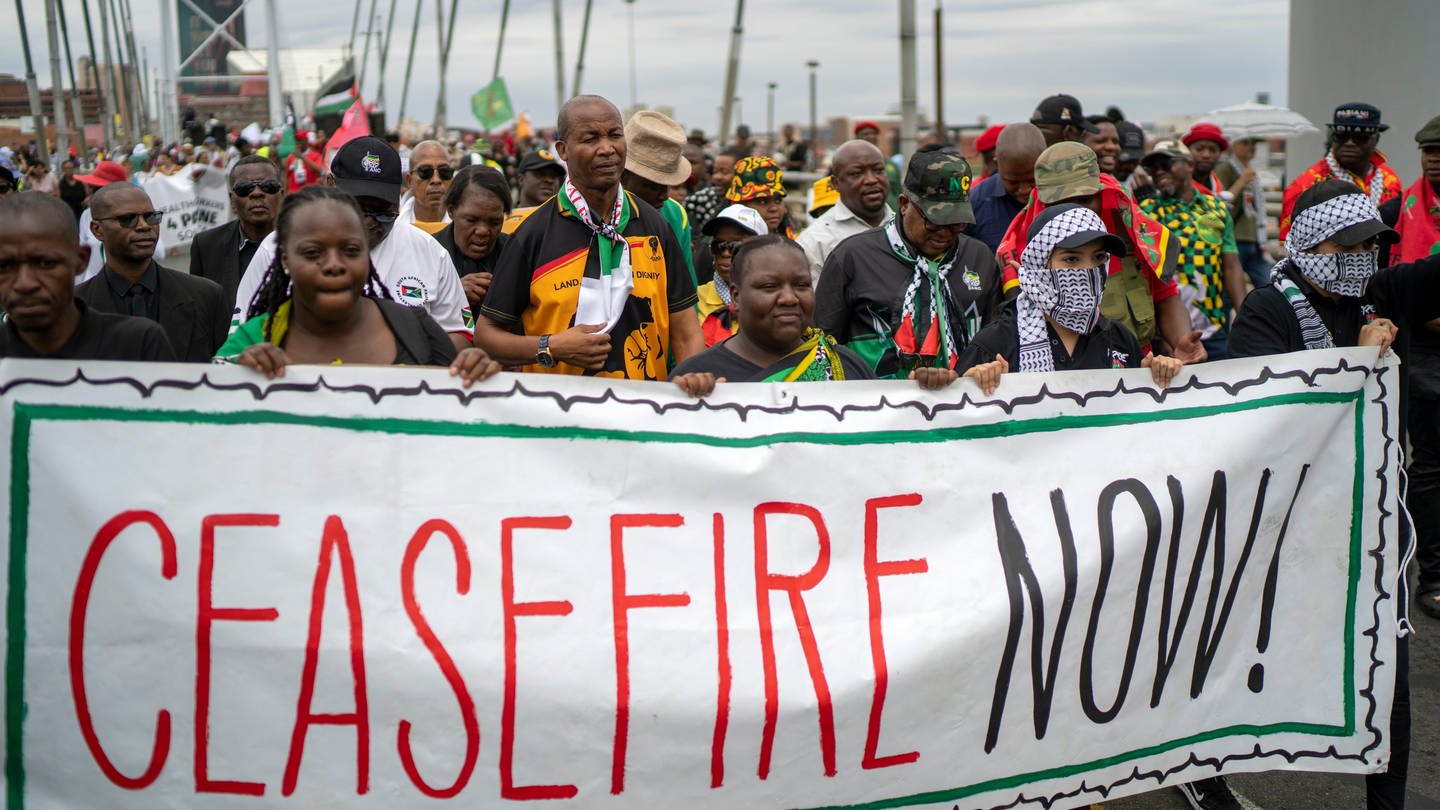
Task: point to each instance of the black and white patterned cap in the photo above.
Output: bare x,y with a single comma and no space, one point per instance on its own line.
1334,209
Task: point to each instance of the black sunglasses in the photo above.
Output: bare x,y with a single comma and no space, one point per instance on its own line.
1353,135
152,218
382,217
717,247
427,172
265,186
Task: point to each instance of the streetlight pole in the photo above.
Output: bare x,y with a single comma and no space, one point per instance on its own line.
770,111
634,95
813,64
907,77
940,72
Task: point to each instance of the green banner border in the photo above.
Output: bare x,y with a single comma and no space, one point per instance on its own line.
25,414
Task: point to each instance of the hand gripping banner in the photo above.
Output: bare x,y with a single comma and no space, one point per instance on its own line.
357,588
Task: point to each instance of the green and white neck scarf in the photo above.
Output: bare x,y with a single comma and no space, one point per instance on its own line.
602,300
926,335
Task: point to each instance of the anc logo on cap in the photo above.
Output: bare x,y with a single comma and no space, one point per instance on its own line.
370,163
545,154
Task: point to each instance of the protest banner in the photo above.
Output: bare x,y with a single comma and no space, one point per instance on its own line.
367,588
194,200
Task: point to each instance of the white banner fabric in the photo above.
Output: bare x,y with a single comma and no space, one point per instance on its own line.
368,588
194,200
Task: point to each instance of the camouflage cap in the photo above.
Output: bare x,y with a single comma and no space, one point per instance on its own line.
1168,148
1066,170
938,181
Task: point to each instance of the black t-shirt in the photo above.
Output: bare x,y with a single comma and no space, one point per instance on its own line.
1109,345
722,362
464,264
99,336
1408,294
863,283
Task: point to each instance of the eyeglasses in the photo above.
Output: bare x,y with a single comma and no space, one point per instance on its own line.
1353,135
718,248
931,227
152,218
265,186
382,217
427,172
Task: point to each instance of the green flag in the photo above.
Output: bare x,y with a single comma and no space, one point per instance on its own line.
491,104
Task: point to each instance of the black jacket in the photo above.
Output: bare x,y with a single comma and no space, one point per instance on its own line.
215,254
194,312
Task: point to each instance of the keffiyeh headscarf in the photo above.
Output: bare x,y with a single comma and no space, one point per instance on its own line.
755,177
1344,274
1070,296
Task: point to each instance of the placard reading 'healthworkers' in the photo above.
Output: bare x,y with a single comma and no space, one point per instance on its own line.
367,588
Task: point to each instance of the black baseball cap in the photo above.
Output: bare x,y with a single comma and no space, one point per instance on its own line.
1350,235
539,160
1114,244
1062,110
368,167
1358,115
1132,141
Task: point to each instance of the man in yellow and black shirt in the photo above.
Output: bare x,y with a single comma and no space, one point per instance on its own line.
593,282
1211,279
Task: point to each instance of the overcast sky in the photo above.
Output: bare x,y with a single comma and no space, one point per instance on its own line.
1153,58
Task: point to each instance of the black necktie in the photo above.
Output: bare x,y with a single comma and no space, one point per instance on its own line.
136,294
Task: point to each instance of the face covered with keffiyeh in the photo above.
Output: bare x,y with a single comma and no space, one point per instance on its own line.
1064,266
1334,238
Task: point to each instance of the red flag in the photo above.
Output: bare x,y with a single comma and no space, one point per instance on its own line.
355,124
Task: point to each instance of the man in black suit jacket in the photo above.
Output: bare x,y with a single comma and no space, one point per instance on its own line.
222,253
194,312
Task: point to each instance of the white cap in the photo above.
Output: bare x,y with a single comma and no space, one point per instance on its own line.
740,214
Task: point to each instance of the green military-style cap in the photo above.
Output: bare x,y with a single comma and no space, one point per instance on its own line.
1066,170
938,181
1429,135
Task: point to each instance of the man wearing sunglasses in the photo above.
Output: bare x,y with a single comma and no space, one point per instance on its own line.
193,311
427,183
222,253
416,269
1352,157
912,293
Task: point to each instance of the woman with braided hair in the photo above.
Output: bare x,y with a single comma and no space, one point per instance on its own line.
322,302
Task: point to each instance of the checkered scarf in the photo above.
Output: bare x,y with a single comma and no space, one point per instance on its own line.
1374,188
1070,296
927,334
1344,274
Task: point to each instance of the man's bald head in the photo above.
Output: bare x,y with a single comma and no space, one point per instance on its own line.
566,117
37,208
1022,141
107,199
852,152
1016,151
426,150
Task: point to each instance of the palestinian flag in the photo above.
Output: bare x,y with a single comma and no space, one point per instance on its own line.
338,92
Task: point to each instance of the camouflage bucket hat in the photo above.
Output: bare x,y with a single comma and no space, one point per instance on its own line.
755,177
938,181
1065,171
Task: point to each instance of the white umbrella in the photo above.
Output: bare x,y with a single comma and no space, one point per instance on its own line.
1251,120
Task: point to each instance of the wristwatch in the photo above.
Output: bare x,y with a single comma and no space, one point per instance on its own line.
543,356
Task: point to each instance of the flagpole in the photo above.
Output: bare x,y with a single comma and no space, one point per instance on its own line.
500,45
385,56
438,123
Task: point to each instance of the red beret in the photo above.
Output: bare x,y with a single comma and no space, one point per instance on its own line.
859,125
988,138
1205,132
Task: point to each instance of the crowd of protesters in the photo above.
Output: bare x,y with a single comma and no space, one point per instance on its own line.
636,250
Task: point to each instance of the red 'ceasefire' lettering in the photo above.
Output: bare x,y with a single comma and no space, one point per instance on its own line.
623,602
766,582
513,609
78,606
206,614
874,569
442,657
722,654
334,543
